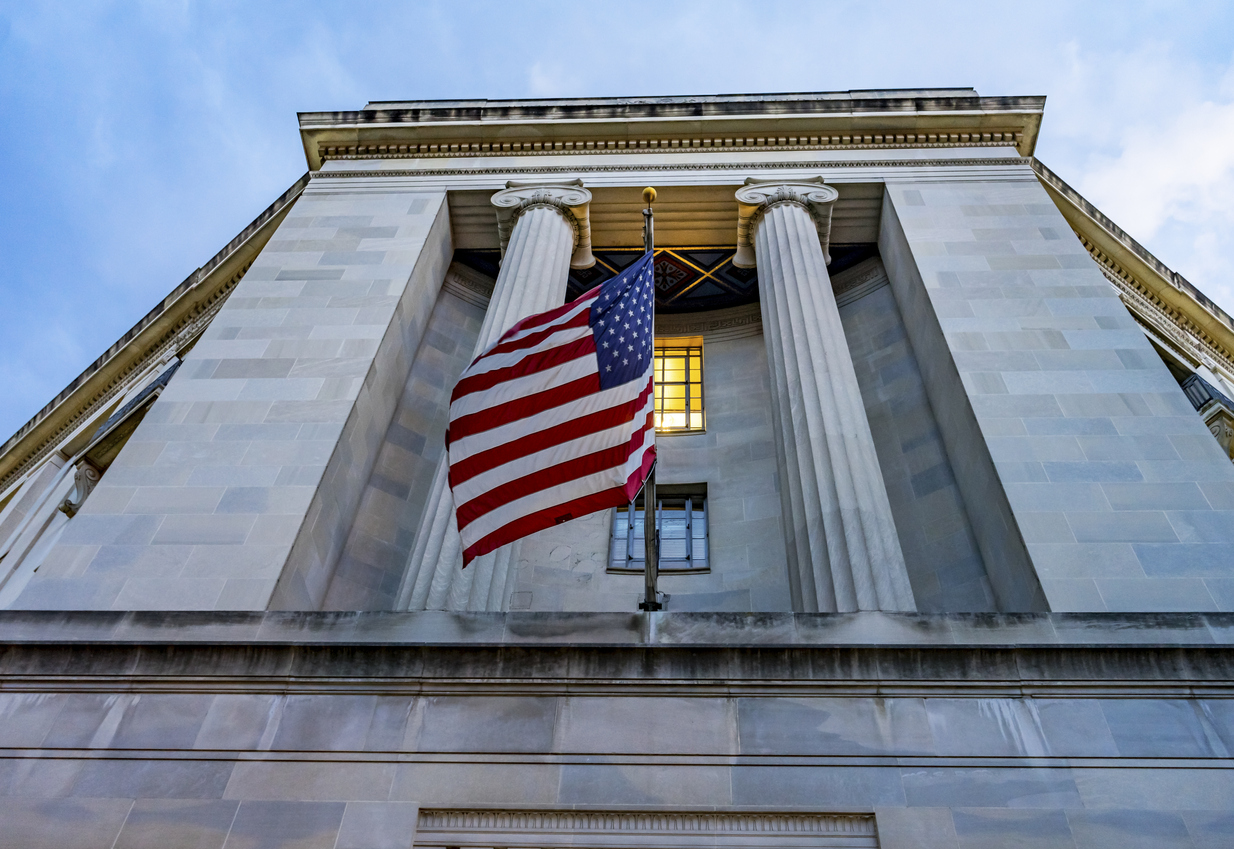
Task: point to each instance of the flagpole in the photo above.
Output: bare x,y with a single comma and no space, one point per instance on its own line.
651,571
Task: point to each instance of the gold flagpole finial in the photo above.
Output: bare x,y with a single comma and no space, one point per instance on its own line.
649,195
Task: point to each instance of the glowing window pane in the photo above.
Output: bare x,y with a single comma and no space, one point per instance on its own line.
679,388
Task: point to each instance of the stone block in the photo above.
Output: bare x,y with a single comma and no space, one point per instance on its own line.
1160,594
495,724
1210,829
979,828
153,779
1145,728
378,825
61,823
162,721
612,725
317,781
1147,788
826,726
1127,526
602,784
989,787
915,828
275,825
218,529
478,784
240,722
1129,829
33,778
182,823
324,722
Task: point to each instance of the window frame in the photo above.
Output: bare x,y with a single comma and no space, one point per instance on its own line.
625,519
691,348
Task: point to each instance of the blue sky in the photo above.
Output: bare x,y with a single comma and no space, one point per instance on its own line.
142,136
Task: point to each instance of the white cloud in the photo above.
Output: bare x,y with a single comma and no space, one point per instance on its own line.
1162,165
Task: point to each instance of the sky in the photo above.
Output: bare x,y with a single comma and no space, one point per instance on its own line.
142,136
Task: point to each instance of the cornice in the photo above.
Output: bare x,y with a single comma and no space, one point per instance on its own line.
173,324
947,117
1159,298
594,654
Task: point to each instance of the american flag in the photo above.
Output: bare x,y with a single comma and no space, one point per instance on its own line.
555,420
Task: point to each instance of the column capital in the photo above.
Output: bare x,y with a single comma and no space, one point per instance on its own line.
567,197
758,196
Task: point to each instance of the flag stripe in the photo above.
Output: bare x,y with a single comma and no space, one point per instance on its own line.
556,419
602,461
624,410
505,378
464,447
523,407
534,335
550,317
548,458
565,488
614,496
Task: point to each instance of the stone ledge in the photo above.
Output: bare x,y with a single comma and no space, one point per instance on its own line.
852,654
731,630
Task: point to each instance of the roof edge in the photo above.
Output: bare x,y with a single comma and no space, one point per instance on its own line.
1119,247
31,439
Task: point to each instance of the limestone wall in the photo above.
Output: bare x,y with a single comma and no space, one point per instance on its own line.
333,730
238,488
940,552
1076,444
383,534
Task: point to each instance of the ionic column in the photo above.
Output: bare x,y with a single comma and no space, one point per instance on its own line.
544,232
842,545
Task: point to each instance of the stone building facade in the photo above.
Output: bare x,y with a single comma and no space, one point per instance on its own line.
945,460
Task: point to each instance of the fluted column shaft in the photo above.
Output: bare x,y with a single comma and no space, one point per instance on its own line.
533,278
843,548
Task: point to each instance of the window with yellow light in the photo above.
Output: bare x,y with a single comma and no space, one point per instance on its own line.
679,387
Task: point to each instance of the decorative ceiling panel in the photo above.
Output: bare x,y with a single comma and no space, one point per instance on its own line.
687,279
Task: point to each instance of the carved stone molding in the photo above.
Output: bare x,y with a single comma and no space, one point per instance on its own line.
567,197
942,138
604,829
713,325
85,478
468,284
1220,422
758,196
1000,162
1188,339
860,280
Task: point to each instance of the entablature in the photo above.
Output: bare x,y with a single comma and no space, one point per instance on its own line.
808,121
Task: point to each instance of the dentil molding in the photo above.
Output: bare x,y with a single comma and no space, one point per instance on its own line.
546,829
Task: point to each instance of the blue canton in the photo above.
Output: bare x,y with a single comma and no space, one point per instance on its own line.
621,322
